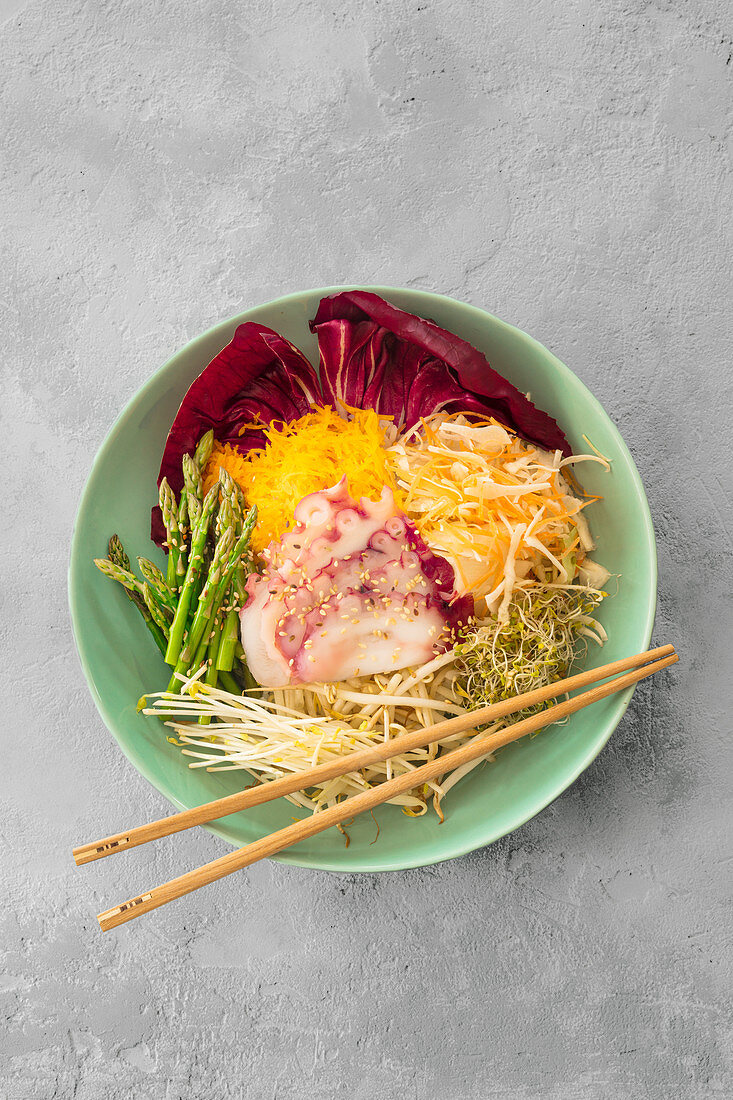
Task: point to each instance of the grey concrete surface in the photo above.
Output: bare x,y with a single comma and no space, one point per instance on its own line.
566,166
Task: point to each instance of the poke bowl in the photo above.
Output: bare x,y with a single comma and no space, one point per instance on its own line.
122,665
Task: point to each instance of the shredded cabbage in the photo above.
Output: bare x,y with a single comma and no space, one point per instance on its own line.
498,508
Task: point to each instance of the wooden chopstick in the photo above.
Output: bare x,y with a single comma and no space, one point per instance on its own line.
313,777
367,800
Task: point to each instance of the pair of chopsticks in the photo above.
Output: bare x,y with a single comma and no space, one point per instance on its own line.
641,664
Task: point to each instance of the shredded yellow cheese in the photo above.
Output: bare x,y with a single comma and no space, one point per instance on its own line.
302,457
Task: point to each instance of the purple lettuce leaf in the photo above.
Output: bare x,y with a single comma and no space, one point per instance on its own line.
374,354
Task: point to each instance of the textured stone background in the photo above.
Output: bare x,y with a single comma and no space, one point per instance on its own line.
568,167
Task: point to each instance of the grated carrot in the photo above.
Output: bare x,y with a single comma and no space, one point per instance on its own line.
302,457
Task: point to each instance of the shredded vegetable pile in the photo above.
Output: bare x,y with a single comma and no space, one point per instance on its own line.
302,457
291,729
497,508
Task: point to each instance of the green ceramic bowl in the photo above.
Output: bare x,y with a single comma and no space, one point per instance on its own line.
121,663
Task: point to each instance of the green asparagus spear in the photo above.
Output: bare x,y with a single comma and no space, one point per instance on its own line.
157,582
207,606
154,608
182,558
117,573
235,556
161,639
192,475
203,450
169,511
210,601
194,486
228,682
230,492
211,675
184,520
241,546
227,641
119,558
116,553
233,494
185,526
192,494
200,580
130,582
225,518
198,541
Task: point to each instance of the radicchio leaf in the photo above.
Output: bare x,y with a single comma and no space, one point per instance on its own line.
258,376
374,354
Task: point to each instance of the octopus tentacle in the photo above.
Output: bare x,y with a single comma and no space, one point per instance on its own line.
351,590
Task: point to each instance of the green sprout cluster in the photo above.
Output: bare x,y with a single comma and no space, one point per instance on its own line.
546,629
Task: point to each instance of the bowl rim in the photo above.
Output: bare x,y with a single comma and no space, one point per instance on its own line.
460,847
